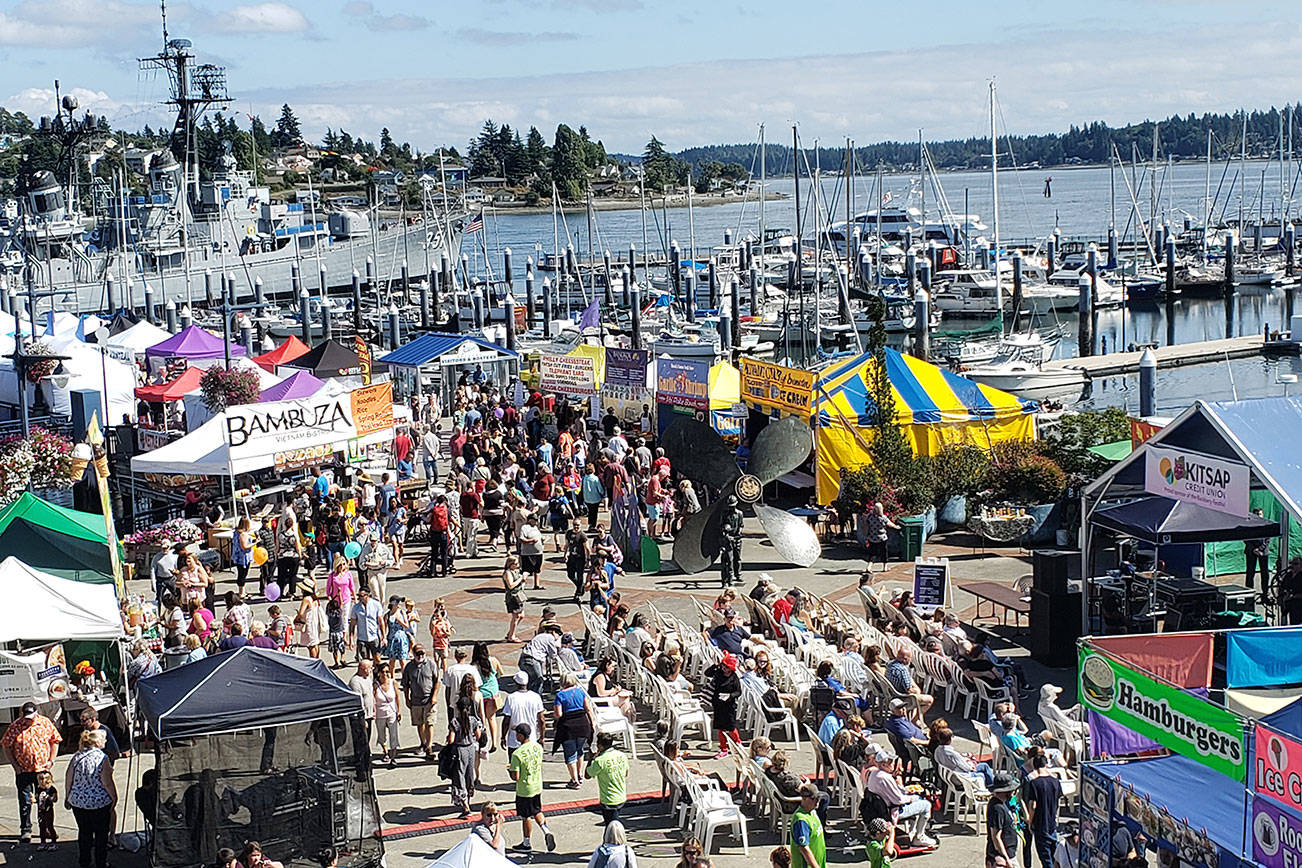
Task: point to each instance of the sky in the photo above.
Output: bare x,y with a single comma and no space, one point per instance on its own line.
689,72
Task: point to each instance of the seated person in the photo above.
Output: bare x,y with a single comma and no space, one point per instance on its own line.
834,720
786,782
954,630
910,811
824,676
850,648
1064,719
761,752
901,678
932,645
850,744
901,726
1013,740
730,635
674,751
981,662
947,756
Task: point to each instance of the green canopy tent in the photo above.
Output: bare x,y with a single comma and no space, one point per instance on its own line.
56,540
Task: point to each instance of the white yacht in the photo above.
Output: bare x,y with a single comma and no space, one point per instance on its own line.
1018,367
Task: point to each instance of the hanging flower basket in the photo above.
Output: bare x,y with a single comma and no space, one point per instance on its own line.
222,388
37,371
43,460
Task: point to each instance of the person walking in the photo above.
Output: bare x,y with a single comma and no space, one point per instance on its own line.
362,685
388,711
876,526
525,768
1043,796
1001,825
92,795
808,844
593,494
466,732
513,585
420,679
31,742
610,769
438,537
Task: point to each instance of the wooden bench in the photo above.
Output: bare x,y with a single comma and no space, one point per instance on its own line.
999,596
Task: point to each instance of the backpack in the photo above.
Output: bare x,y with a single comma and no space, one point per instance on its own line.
873,807
601,858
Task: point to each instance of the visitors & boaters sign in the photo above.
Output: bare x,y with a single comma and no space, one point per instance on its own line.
1172,717
1196,478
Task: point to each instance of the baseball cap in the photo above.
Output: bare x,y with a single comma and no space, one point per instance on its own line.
28,708
897,704
1049,691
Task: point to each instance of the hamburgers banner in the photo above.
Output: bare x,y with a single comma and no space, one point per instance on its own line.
1174,718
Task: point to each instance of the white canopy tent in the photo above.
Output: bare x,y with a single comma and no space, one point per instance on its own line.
135,340
473,852
55,608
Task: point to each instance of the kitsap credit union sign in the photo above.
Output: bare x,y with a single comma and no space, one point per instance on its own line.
1210,482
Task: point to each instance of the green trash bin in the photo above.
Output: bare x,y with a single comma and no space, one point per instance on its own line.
910,537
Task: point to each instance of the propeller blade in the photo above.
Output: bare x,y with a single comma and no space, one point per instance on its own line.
793,537
696,451
779,449
697,544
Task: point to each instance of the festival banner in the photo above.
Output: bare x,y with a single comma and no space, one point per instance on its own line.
257,431
626,367
1277,770
568,375
372,408
1173,718
1276,835
768,387
683,383
363,350
1190,476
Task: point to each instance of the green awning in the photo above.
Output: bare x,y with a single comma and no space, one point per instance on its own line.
57,540
1114,451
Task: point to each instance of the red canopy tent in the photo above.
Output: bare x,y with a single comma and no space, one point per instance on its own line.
173,391
288,351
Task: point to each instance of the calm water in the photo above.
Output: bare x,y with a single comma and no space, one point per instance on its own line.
1081,204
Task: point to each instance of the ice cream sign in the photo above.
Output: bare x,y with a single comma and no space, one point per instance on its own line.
1277,771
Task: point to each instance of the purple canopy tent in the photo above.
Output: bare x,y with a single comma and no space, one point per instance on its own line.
300,384
193,343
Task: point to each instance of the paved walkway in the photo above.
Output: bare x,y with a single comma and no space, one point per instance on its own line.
418,816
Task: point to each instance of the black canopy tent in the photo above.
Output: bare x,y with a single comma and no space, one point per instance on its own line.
1162,521
259,745
332,359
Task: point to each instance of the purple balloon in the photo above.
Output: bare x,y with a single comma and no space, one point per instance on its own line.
273,592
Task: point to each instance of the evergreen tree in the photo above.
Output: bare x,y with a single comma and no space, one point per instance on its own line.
569,168
536,146
287,132
485,158
261,138
386,144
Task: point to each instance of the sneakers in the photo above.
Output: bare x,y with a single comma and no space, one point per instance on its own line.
926,841
721,754
551,842
523,847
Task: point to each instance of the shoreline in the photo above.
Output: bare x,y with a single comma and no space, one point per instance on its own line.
678,201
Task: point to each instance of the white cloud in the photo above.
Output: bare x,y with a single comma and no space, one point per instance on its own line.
269,17
504,38
73,22
374,20
37,101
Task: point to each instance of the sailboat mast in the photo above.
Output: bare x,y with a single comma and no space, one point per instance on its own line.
763,176
1152,189
800,259
922,183
1207,193
994,187
849,210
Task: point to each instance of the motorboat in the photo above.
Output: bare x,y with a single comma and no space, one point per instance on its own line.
1257,274
1019,368
969,291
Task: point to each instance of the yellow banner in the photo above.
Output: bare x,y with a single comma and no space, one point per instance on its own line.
766,386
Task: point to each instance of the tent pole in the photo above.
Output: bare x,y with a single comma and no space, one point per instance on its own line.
1281,559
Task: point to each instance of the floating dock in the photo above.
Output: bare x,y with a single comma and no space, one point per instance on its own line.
1173,356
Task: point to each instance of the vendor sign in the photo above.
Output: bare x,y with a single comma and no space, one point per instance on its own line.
1168,715
1196,478
1277,772
626,368
19,674
1276,835
769,387
683,383
568,375
285,427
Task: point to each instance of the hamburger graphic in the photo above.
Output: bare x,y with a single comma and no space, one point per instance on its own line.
1098,682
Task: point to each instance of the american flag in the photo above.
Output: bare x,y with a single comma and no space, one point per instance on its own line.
475,225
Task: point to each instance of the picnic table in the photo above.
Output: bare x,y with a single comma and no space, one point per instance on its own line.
999,596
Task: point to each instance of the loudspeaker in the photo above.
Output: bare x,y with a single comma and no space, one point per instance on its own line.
1055,627
1051,568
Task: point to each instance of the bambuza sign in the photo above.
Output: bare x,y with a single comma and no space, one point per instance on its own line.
1168,715
285,426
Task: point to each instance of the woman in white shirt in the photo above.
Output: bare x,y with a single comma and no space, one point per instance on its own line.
388,711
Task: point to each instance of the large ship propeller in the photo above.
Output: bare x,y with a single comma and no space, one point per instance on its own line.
697,452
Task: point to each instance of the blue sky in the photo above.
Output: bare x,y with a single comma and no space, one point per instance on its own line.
690,72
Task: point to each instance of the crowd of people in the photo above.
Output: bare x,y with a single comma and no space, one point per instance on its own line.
502,477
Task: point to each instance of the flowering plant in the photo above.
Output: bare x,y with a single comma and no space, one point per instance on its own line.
83,669
169,533
42,459
37,371
222,388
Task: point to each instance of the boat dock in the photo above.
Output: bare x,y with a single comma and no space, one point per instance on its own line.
1173,356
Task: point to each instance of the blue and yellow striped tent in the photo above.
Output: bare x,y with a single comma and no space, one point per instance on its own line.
934,408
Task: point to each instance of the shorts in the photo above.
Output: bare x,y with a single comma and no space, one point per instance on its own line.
653,511
338,643
573,748
527,806
368,649
531,563
422,715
